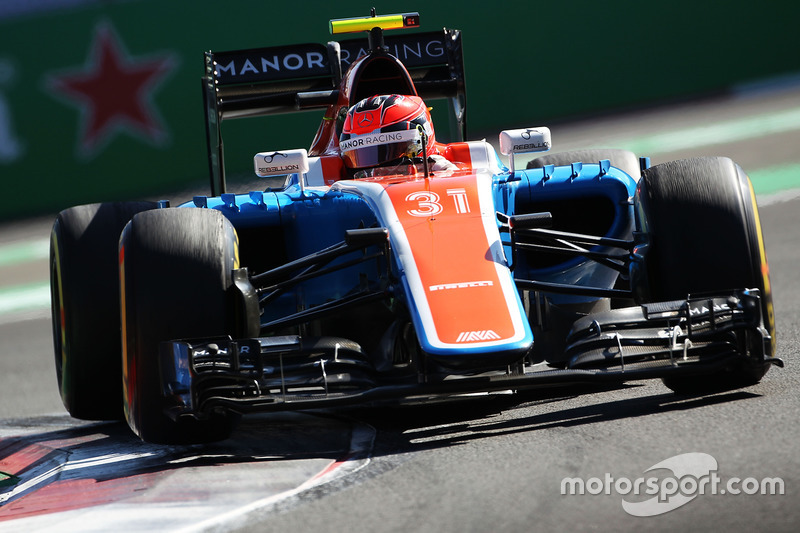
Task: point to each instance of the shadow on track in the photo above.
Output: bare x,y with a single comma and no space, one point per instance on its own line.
415,428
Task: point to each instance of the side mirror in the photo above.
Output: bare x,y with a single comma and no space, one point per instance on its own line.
281,163
524,141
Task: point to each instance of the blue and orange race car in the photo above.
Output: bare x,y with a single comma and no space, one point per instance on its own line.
393,267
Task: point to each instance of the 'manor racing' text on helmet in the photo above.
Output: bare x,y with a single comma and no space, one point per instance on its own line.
384,129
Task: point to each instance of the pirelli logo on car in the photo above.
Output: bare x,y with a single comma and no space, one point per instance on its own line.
462,285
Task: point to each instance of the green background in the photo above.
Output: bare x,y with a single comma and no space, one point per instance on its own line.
527,63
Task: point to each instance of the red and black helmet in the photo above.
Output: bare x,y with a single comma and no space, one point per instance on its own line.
381,130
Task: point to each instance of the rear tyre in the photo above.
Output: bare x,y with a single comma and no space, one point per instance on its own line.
175,266
622,159
84,289
702,221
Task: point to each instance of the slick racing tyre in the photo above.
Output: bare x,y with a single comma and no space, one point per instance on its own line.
622,159
84,289
176,270
704,236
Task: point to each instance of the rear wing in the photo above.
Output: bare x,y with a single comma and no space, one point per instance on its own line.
287,79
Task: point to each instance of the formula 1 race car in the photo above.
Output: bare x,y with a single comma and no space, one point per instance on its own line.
446,273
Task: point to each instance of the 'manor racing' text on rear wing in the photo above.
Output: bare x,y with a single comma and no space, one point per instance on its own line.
281,79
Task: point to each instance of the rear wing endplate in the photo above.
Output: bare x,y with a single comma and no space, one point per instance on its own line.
287,79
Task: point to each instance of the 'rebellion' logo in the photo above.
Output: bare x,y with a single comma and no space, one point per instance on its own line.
476,336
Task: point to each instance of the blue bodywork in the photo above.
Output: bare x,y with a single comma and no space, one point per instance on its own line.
314,218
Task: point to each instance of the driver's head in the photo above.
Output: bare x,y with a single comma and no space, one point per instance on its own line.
382,130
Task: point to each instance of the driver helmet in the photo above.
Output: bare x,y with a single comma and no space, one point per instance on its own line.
382,130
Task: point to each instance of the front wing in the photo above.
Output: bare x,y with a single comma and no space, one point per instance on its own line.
696,336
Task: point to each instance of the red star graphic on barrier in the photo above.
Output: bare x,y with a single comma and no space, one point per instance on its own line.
114,92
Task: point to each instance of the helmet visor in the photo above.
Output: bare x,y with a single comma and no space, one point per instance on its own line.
375,149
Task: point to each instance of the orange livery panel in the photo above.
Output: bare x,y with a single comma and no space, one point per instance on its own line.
444,232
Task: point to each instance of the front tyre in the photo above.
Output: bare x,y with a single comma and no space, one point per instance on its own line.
84,290
176,271
704,233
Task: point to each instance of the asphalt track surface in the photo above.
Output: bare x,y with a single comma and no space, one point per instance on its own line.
483,465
